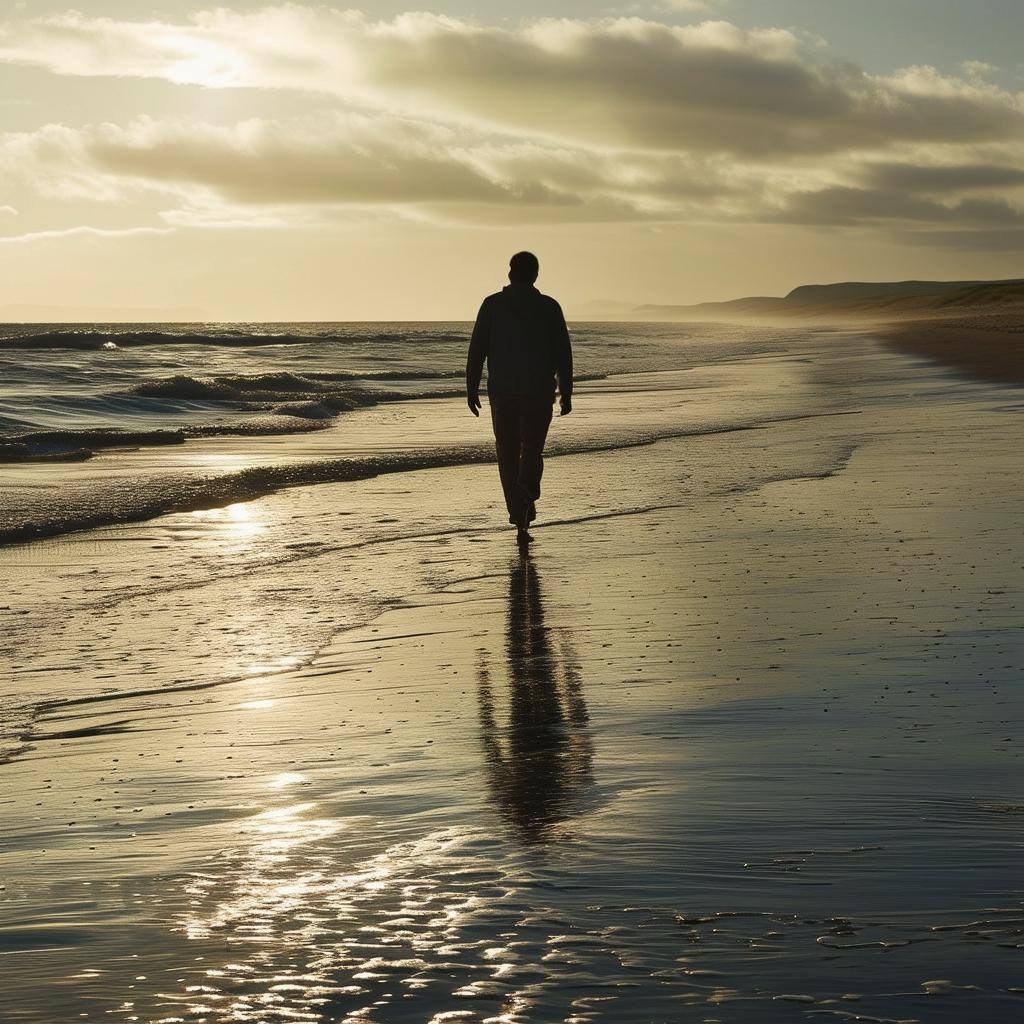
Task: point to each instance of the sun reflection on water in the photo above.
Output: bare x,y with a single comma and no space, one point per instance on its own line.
238,521
263,888
323,929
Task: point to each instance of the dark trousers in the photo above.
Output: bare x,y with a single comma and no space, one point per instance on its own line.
520,429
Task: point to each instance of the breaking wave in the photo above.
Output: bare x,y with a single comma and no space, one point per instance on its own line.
276,387
271,403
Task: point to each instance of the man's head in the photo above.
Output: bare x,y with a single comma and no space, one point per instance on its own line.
523,268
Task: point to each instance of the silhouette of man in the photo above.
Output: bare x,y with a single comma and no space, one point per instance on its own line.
521,335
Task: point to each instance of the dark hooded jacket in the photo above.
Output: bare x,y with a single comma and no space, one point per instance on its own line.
521,335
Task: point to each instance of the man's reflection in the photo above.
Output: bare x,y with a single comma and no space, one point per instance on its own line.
539,766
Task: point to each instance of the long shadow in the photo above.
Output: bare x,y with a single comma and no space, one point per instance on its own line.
538,766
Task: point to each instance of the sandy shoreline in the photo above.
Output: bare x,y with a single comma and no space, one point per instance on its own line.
988,346
709,752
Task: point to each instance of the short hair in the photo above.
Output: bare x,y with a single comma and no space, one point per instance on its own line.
524,266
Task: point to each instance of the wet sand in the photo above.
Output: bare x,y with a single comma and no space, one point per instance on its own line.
737,740
989,346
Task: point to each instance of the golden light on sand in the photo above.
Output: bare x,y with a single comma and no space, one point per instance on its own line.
286,779
271,665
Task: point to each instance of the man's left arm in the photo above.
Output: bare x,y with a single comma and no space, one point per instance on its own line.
563,360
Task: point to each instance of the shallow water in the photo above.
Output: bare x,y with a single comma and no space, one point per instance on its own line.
127,377
177,420
737,741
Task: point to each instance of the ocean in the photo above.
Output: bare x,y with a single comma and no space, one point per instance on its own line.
98,393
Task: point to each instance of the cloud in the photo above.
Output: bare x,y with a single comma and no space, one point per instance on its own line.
841,205
858,206
352,160
222,174
309,171
8,211
549,120
988,241
977,68
614,82
680,6
81,231
939,178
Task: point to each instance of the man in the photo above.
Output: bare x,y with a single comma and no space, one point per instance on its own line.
521,335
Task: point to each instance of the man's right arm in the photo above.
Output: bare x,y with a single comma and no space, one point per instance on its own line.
479,345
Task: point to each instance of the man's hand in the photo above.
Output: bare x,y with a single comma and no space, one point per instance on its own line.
473,401
565,405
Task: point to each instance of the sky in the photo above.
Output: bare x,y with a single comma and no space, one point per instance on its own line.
239,161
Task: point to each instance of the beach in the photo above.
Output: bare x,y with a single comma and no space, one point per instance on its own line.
735,739
986,344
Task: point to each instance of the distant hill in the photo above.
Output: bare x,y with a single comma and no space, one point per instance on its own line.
851,300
